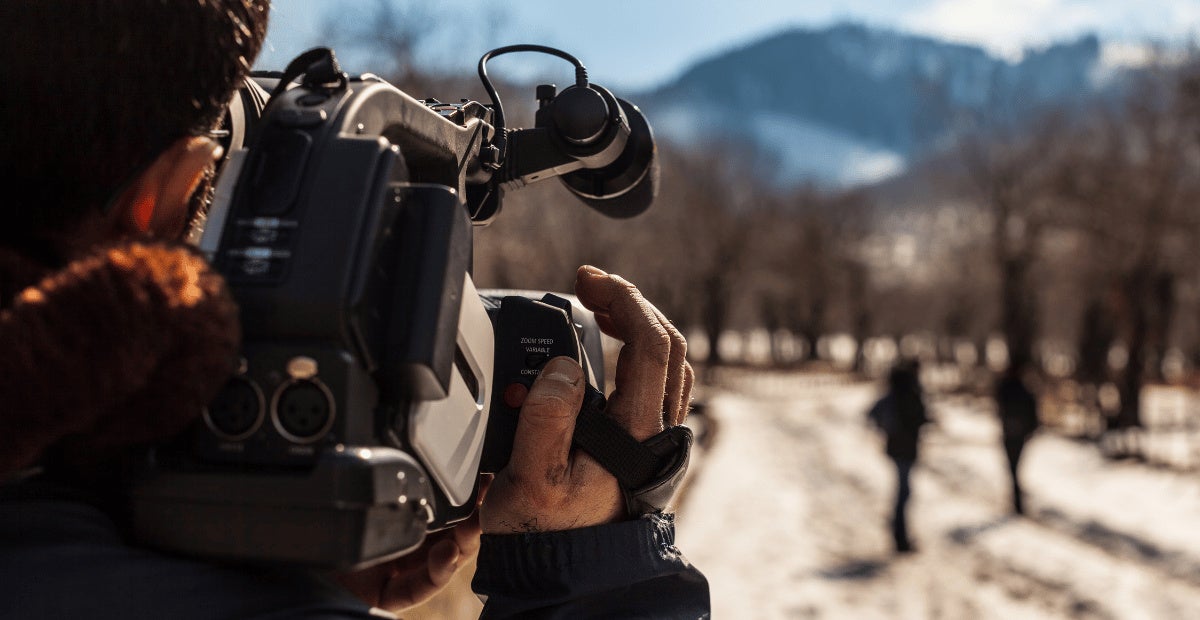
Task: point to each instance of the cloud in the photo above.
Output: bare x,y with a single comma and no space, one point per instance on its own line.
1008,27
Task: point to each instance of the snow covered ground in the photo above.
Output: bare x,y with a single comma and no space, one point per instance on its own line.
787,515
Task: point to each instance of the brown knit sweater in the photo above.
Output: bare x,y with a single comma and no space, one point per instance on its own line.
120,347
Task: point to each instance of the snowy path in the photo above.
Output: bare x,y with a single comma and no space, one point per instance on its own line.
787,516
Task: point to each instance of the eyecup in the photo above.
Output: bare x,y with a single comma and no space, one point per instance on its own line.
629,185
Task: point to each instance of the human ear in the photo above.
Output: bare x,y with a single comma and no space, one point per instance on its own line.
157,201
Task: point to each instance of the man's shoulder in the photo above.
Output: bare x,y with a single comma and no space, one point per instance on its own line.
53,545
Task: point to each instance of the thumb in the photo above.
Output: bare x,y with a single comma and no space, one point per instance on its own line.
542,443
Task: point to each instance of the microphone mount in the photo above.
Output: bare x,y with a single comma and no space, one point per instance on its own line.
599,146
577,129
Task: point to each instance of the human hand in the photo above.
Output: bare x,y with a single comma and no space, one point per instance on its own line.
416,577
547,486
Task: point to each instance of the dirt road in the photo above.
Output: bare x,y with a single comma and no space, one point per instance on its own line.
787,516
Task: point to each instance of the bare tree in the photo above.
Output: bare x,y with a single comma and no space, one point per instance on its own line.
717,195
1132,177
793,266
1007,167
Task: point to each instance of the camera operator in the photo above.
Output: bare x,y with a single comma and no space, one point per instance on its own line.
115,334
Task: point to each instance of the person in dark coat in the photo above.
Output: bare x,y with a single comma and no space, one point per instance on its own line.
1017,407
116,332
900,414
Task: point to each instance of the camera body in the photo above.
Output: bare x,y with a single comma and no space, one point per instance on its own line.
370,392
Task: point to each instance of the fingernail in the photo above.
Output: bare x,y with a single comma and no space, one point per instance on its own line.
563,369
594,271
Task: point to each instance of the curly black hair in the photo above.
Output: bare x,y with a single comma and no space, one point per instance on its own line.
98,89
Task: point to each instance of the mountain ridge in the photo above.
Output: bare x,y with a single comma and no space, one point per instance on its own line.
850,104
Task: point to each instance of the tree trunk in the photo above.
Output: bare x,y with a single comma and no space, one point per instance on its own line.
1017,311
716,311
1159,324
773,323
860,325
1129,416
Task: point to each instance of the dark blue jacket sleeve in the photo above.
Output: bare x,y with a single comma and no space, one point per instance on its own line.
629,569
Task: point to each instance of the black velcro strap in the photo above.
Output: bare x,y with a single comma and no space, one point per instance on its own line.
633,464
649,472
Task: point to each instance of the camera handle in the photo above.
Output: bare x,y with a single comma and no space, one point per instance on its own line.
319,66
531,331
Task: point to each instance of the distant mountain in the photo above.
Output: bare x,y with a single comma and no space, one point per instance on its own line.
849,104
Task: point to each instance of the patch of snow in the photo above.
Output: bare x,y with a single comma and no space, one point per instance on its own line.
798,151
787,513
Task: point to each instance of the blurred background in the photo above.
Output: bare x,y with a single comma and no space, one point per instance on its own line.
973,185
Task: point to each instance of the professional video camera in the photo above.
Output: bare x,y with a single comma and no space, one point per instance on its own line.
373,380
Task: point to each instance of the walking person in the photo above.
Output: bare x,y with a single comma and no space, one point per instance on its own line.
900,414
1017,407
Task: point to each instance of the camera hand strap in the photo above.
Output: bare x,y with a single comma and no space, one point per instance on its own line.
649,472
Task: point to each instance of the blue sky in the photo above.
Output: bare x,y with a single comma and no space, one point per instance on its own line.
635,44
